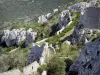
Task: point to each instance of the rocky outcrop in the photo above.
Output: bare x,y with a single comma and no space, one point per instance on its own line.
16,36
64,18
40,54
88,63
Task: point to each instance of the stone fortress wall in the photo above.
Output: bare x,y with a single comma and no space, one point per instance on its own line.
91,18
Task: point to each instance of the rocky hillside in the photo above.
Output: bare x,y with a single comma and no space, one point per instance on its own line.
62,42
88,61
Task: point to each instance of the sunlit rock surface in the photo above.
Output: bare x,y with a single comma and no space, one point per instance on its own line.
16,36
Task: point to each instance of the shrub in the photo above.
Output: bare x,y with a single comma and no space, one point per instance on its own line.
21,44
56,66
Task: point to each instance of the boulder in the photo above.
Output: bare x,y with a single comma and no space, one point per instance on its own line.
88,63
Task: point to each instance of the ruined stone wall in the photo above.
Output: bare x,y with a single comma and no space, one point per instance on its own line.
91,18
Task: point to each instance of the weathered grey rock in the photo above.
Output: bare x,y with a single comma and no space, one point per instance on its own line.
30,37
16,36
13,37
88,63
42,19
55,10
39,54
64,18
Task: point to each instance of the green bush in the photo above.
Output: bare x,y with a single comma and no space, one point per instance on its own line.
21,43
56,66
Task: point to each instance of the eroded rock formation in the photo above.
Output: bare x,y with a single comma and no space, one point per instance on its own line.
88,63
64,18
40,53
16,36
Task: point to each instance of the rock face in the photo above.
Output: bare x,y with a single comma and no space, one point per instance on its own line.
64,18
40,53
91,18
88,63
16,36
30,37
